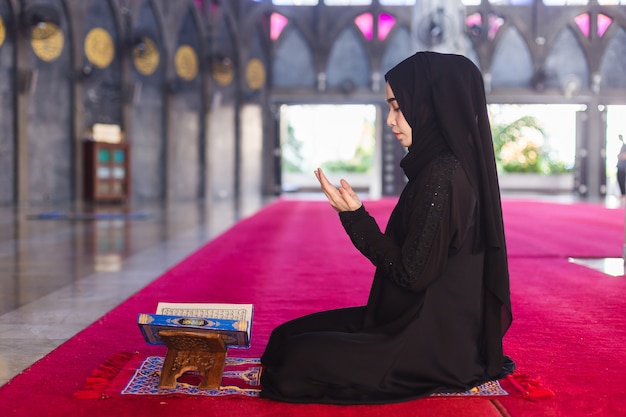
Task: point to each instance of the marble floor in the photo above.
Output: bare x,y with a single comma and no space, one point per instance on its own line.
58,275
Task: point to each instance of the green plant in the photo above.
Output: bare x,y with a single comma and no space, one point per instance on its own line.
361,162
519,147
291,152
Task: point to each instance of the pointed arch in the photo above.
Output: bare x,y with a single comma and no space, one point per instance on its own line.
613,64
512,64
566,63
348,66
398,48
293,64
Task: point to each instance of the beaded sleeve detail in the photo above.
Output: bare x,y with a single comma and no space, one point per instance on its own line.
403,253
421,237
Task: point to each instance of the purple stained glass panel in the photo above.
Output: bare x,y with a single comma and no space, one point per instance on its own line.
385,24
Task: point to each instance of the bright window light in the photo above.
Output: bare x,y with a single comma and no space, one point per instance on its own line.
565,2
347,2
398,2
294,2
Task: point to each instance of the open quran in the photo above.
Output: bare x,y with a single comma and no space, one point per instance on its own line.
233,322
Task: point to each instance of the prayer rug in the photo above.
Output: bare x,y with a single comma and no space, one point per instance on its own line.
488,389
242,377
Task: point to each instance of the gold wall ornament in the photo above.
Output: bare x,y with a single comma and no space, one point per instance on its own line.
255,74
3,31
146,56
223,71
99,47
186,62
47,41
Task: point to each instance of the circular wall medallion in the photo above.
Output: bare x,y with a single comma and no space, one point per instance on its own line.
223,71
99,47
146,56
47,41
255,74
3,31
186,62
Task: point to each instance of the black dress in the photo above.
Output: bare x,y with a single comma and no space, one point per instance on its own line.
420,332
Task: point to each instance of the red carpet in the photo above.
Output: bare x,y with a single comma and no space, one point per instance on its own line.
294,258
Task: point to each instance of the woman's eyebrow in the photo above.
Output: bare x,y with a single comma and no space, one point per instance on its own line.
389,100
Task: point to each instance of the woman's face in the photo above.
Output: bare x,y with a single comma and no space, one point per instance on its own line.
399,126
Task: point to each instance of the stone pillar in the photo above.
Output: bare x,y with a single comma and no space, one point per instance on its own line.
596,129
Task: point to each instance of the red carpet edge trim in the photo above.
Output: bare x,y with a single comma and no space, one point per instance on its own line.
100,380
530,388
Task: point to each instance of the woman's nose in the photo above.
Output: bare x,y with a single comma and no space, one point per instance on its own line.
390,118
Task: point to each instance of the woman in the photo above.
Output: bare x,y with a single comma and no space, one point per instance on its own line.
621,169
439,305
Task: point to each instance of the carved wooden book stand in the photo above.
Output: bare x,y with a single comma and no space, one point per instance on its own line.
192,351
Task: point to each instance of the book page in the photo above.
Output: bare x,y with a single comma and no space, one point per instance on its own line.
207,310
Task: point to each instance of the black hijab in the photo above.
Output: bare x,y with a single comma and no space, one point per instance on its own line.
443,99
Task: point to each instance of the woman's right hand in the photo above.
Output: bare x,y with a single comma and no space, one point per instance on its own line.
342,198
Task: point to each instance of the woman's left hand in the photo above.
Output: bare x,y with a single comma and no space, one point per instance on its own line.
342,198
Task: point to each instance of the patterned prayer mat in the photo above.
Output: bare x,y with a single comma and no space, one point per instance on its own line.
241,377
489,389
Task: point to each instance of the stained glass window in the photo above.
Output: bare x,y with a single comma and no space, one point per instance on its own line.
365,22
386,22
474,23
277,24
603,24
495,23
582,21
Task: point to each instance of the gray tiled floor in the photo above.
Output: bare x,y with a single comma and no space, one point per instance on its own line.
58,276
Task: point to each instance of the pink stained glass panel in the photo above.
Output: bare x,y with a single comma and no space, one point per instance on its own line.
385,24
475,19
277,24
474,23
603,24
582,20
495,23
365,22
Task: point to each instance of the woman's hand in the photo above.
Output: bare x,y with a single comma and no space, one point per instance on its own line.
342,198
